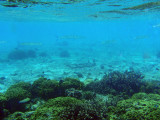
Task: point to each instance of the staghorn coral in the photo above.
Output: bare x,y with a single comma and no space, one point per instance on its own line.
116,83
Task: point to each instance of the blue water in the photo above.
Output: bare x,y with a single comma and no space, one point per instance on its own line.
133,35
84,40
108,32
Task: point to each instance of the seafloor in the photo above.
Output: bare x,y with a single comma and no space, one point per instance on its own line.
72,85
82,65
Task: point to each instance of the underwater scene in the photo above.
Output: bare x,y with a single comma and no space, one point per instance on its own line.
79,60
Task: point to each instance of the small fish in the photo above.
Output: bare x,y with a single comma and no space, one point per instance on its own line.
30,43
25,100
114,5
10,5
140,37
71,37
156,106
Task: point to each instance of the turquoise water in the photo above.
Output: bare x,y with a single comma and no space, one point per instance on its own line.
124,33
86,40
130,36
119,35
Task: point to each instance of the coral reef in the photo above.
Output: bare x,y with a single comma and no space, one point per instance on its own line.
45,88
112,100
64,54
74,93
88,95
63,108
158,54
43,54
21,54
140,106
88,81
72,83
3,101
19,116
69,83
16,93
117,96
151,87
31,54
117,83
24,85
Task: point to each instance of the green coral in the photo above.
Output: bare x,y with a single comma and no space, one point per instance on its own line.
23,85
45,88
88,81
16,116
64,108
16,93
145,96
56,108
69,83
72,83
3,100
152,87
116,83
88,95
20,116
140,106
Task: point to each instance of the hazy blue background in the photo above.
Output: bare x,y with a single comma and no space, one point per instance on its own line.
131,36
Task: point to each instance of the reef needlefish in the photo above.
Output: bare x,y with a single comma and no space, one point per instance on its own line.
30,43
71,37
25,100
140,37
